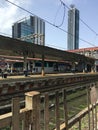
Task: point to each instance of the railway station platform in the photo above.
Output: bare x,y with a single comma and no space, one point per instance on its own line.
39,75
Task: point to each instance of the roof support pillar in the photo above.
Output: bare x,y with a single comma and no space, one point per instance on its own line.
25,67
43,71
92,69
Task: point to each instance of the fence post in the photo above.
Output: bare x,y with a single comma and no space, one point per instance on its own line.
57,114
95,116
65,109
26,122
15,114
92,117
46,112
79,124
88,104
33,102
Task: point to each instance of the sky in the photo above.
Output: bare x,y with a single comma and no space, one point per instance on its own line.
53,12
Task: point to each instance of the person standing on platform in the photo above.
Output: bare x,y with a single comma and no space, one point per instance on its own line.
2,73
5,73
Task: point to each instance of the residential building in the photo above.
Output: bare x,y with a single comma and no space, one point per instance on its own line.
73,29
31,29
89,52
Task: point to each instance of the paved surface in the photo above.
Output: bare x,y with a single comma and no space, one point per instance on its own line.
35,76
40,76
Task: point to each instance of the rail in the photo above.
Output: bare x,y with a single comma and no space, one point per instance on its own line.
32,116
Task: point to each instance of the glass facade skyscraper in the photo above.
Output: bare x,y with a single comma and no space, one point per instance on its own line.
73,29
30,29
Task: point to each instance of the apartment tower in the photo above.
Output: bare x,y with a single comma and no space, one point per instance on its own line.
73,29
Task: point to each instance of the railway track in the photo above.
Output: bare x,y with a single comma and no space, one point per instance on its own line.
5,105
50,85
72,97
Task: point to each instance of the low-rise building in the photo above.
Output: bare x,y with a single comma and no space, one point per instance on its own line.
89,52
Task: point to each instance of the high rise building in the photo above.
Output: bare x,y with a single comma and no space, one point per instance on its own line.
31,29
73,29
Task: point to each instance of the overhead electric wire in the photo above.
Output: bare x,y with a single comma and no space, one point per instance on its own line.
48,21
29,12
56,46
63,15
57,13
81,20
88,26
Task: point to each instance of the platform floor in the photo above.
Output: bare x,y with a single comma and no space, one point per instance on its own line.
39,75
34,76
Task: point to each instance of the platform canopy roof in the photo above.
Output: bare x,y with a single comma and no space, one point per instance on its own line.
10,46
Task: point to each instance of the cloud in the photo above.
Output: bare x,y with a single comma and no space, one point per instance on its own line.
10,14
6,14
